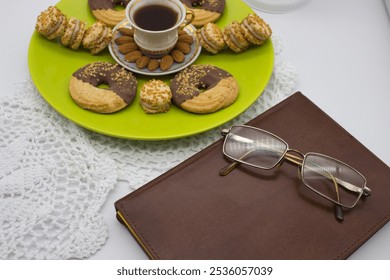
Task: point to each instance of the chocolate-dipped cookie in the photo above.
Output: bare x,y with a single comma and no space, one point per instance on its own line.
203,89
85,91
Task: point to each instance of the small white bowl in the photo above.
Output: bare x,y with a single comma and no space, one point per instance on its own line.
276,6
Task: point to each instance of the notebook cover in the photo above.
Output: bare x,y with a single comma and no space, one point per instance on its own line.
191,212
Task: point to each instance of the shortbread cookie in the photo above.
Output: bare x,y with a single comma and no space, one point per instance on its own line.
74,33
85,91
104,11
255,29
203,89
51,23
205,10
97,37
234,39
155,97
211,38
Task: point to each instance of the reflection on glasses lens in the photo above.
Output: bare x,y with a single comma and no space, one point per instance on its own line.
333,179
254,147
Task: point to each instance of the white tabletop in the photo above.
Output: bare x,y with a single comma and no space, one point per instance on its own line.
341,50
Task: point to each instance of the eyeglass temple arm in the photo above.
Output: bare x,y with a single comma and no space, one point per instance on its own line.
338,210
230,167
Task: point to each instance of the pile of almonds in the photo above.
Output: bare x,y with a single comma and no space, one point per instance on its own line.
132,53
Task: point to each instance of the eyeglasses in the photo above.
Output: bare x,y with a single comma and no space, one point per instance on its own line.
330,178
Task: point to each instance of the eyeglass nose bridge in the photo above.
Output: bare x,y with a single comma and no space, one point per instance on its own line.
298,160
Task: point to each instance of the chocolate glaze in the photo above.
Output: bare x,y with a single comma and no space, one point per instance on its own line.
119,80
195,79
209,5
106,4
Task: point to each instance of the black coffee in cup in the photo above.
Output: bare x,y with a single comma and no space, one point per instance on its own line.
155,17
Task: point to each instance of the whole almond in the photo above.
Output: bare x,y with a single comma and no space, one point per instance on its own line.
123,40
178,56
133,56
183,47
153,64
185,38
127,48
142,62
126,31
166,62
181,32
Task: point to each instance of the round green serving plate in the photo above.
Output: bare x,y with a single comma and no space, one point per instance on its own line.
52,65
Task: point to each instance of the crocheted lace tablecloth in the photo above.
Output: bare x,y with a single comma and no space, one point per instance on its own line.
55,176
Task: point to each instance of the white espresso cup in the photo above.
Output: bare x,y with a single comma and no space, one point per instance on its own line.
156,24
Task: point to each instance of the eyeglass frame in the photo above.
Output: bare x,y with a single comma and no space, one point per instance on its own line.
365,191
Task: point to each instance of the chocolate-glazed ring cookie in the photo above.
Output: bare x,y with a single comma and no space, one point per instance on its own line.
205,10
203,89
85,91
104,11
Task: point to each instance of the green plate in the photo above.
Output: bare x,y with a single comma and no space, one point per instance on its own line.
51,66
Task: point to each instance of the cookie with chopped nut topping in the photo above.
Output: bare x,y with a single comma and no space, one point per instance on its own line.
204,89
255,29
211,38
85,91
51,23
74,33
234,38
97,37
155,97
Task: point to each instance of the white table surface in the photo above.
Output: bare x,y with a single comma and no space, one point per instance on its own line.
341,50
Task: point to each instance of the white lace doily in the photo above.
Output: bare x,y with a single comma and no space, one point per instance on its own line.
55,176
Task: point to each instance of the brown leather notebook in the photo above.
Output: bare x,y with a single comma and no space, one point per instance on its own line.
191,212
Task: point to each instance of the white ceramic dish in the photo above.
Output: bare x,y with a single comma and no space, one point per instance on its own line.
276,6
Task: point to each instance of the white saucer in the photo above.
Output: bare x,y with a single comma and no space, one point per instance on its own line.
176,67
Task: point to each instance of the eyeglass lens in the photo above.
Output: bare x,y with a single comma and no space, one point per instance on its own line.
254,147
333,179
